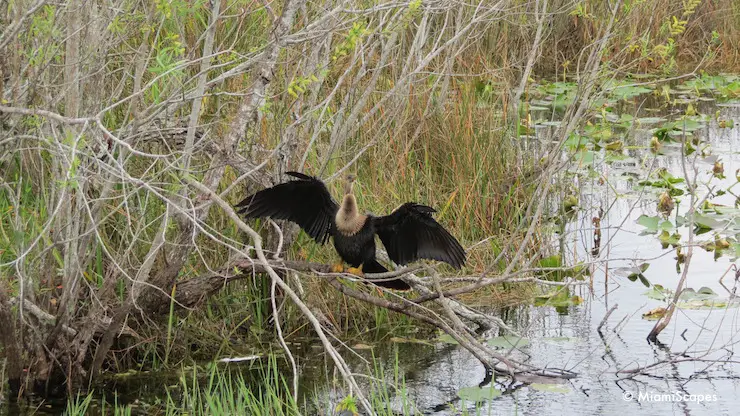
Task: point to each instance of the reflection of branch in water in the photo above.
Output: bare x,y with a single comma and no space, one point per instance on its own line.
644,370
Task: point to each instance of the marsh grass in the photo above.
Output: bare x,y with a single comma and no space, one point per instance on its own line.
260,388
462,156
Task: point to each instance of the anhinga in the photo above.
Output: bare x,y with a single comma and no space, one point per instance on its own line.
409,233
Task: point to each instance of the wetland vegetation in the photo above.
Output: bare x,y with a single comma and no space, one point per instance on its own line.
585,154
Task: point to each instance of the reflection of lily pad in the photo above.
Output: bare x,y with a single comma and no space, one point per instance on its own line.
477,394
634,273
507,342
551,388
557,299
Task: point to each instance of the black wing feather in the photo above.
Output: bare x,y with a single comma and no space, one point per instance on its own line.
410,233
305,201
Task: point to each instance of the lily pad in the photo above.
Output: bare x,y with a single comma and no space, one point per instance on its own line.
551,388
658,292
707,222
507,342
698,304
704,293
651,223
629,92
477,394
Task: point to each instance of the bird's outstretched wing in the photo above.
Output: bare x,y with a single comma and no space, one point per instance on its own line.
305,201
410,233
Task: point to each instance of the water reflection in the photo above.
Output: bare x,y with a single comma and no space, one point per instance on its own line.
674,380
692,371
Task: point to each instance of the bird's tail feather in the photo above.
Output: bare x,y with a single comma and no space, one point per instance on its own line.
373,266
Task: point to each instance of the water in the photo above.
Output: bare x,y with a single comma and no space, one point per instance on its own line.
708,384
692,371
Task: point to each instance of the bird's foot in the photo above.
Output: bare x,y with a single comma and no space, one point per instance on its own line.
337,268
357,271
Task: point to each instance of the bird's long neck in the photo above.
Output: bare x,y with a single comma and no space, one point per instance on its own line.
349,220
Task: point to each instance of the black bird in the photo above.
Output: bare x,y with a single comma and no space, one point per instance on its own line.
409,233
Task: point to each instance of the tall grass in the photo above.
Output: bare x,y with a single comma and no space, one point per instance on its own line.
460,156
217,390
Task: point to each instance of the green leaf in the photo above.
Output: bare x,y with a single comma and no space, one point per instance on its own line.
658,292
706,222
507,342
550,388
651,223
476,394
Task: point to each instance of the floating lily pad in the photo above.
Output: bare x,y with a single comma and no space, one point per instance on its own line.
629,91
658,292
507,342
551,388
477,394
704,293
706,304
